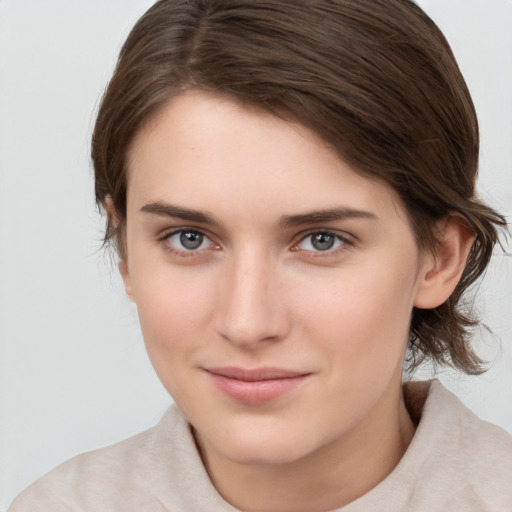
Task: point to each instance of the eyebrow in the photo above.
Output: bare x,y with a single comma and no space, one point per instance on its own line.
329,215
178,212
301,219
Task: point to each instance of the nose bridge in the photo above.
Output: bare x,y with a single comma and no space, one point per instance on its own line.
250,310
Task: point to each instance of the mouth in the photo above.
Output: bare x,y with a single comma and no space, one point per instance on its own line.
255,386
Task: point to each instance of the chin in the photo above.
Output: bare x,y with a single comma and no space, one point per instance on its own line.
264,449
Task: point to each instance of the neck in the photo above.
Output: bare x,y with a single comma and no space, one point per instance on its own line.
329,478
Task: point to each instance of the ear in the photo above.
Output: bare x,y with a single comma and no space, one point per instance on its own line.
125,274
113,219
441,270
110,210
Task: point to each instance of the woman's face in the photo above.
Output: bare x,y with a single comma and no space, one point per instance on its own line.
274,285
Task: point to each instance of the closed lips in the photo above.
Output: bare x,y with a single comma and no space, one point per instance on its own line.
255,386
257,374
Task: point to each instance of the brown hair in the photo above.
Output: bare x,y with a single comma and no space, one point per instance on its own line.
376,79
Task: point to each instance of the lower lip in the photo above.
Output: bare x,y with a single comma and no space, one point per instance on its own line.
256,392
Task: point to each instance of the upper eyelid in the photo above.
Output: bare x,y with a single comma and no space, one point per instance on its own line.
163,239
342,235
347,242
299,237
166,233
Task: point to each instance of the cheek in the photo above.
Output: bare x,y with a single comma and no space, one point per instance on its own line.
174,310
363,316
172,317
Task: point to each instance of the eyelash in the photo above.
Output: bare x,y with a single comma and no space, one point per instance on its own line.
165,240
343,241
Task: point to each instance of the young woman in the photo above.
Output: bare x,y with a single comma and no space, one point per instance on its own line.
290,186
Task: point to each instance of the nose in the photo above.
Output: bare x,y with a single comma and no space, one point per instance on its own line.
250,311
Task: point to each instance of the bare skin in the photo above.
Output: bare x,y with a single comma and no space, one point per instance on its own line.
275,287
332,477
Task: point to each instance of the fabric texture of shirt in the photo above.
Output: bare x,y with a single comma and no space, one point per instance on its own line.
455,462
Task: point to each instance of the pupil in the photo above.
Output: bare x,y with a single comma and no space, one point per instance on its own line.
322,241
191,239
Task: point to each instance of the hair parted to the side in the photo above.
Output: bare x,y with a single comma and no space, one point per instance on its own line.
375,79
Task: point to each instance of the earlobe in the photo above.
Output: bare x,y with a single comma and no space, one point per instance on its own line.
125,274
442,270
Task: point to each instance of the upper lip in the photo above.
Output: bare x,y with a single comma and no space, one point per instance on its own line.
255,374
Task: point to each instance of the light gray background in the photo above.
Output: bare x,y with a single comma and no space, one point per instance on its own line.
73,372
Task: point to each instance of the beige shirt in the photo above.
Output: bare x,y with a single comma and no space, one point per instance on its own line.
455,462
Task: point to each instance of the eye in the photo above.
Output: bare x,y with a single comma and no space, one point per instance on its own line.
321,241
188,240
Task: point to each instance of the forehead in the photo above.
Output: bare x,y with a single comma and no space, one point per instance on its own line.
210,151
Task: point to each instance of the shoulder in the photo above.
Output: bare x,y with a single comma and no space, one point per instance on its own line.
466,457
158,470
113,478
477,440
483,455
